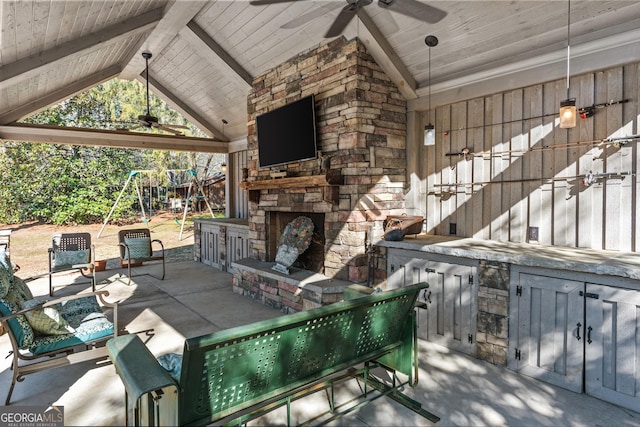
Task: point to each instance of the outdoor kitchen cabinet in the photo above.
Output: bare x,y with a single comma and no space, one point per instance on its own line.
573,331
221,242
451,299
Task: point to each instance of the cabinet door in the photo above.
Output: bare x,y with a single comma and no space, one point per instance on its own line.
613,345
401,270
546,329
210,245
450,318
237,246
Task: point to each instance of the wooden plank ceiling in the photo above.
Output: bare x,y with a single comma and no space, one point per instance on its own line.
205,53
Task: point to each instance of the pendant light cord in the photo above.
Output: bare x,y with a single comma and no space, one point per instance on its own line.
147,67
429,82
568,43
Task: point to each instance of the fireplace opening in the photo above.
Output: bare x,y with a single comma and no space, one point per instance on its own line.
313,258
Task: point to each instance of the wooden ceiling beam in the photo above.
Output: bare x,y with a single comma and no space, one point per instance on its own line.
189,113
206,46
24,69
175,18
378,46
59,95
104,138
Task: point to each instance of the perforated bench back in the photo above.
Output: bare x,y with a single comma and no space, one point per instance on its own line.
228,371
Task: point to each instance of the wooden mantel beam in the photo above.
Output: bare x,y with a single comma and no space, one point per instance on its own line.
108,138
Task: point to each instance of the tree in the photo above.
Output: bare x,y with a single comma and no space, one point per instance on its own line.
65,184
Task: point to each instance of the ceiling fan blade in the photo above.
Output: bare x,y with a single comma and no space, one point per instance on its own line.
414,9
342,20
167,129
306,17
171,125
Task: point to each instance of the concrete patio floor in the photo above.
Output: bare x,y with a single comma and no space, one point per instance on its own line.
195,299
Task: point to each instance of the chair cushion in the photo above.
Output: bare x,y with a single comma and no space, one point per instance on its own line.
140,247
47,320
6,274
68,258
93,328
85,316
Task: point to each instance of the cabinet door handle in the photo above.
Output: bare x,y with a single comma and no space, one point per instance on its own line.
578,333
426,296
589,329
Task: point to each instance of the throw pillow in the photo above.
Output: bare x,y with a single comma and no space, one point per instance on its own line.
47,320
69,258
172,363
140,247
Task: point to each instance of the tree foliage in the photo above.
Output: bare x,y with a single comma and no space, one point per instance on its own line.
67,184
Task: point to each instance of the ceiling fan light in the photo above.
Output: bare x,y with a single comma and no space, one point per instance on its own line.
568,113
429,135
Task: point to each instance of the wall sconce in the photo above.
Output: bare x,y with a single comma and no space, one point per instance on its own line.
568,110
245,174
430,130
223,168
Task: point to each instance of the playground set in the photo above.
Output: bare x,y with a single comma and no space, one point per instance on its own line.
177,178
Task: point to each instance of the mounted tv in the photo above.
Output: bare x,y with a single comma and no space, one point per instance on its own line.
287,134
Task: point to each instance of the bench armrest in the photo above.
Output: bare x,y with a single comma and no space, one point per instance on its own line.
137,367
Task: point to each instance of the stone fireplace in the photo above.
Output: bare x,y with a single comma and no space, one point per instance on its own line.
359,176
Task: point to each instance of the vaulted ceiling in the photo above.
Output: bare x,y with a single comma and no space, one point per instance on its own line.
206,53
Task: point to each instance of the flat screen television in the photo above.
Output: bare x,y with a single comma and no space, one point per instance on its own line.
287,134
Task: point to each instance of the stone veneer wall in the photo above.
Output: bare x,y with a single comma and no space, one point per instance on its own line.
493,312
361,127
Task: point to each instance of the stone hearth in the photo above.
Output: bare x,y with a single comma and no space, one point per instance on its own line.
300,290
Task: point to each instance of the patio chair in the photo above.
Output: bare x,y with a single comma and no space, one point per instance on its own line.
136,248
55,333
72,251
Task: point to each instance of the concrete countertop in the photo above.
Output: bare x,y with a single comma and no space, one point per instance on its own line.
225,221
620,264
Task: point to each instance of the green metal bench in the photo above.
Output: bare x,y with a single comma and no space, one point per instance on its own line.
239,374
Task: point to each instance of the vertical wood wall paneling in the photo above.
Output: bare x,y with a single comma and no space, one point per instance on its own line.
535,172
517,210
475,192
599,154
460,168
631,116
550,108
443,169
585,155
532,161
432,208
487,162
498,218
415,163
560,170
617,191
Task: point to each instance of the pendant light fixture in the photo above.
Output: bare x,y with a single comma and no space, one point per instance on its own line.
568,112
430,130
